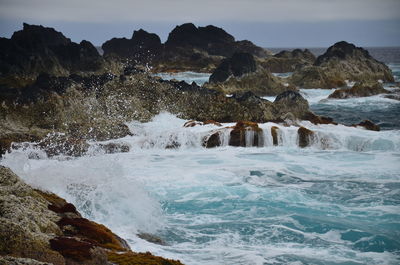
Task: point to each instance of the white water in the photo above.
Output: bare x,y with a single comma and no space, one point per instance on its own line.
336,202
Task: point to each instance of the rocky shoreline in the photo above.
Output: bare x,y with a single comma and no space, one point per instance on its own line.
59,95
38,227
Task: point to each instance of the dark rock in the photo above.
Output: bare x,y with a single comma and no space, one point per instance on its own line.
237,65
316,119
143,47
58,144
369,125
342,61
212,140
37,49
360,89
305,137
275,135
112,148
238,134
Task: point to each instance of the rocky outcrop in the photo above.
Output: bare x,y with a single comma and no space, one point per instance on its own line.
240,73
288,61
342,61
213,40
237,65
38,227
360,89
143,47
37,49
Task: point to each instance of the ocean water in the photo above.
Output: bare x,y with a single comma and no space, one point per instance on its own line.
335,202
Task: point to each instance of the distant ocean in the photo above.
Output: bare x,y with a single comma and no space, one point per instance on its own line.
383,54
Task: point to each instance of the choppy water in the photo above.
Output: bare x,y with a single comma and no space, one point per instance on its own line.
336,202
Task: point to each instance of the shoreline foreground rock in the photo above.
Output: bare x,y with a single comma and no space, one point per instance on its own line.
37,227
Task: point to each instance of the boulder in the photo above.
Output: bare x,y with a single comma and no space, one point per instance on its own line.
305,137
360,89
38,228
275,135
316,77
212,140
246,134
291,102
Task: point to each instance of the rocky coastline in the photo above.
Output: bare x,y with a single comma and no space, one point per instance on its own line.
59,95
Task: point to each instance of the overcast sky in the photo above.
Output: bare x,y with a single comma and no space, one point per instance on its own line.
268,23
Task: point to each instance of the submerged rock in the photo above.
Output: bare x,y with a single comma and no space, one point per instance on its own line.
369,125
37,227
360,89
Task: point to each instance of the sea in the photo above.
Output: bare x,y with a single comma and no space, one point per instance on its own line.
335,202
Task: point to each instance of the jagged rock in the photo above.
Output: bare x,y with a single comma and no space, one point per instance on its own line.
342,61
237,65
239,131
211,39
305,137
369,125
152,239
143,47
360,89
37,226
37,49
288,61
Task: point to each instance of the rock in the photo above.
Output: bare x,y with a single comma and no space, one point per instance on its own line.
342,61
143,47
152,239
37,49
316,77
288,61
111,148
237,65
316,119
212,140
40,228
305,137
238,136
59,144
369,125
291,102
360,89
275,135
9,260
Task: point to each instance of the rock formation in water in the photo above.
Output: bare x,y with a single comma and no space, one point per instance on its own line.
188,48
36,49
342,61
37,226
360,89
241,73
288,61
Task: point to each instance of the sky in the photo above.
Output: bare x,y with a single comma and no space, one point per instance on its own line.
268,23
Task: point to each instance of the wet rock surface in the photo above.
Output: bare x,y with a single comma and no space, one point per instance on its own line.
360,89
38,226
